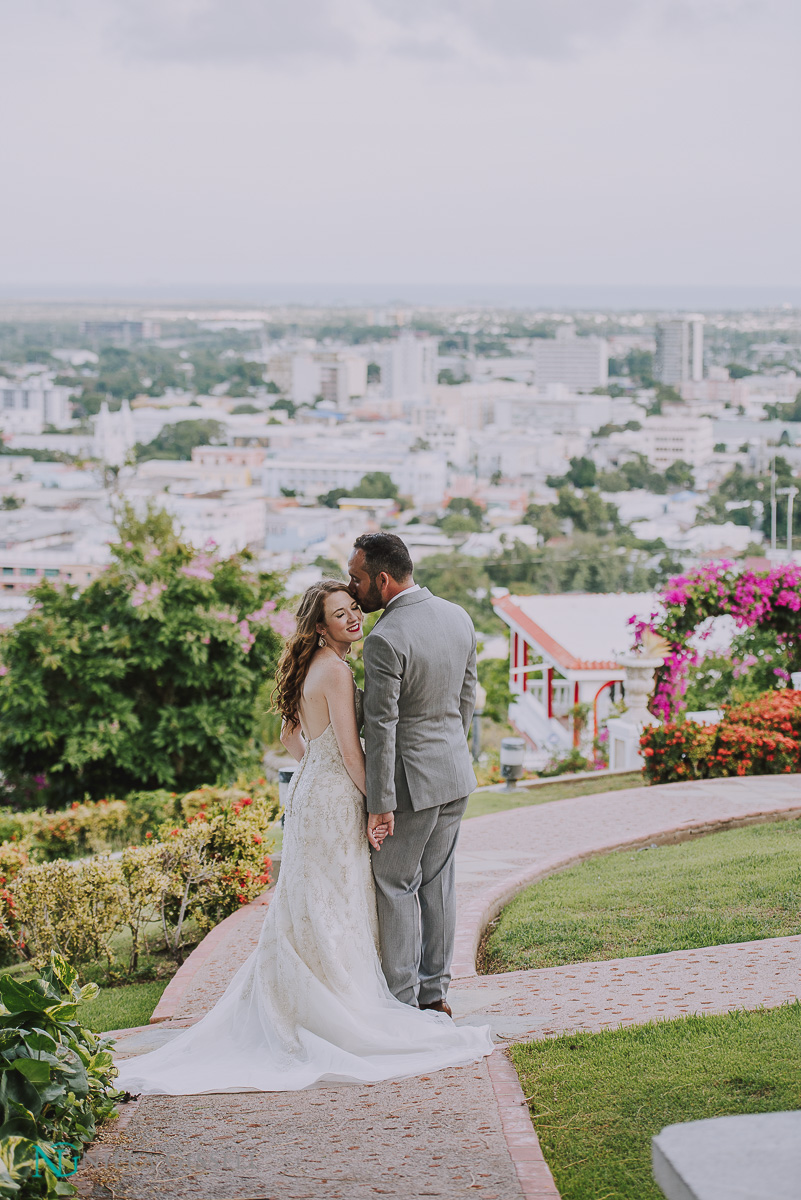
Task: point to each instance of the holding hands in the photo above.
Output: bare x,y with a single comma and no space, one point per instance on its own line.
379,826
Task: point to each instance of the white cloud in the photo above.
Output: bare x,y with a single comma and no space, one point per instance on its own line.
224,31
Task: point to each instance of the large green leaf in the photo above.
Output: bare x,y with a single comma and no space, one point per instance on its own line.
59,971
34,1069
34,996
38,1040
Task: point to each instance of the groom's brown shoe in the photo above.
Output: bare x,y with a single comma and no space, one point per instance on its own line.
439,1006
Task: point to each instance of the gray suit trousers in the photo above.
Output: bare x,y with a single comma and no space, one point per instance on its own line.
414,875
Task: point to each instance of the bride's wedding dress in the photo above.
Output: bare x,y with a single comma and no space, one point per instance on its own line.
311,1004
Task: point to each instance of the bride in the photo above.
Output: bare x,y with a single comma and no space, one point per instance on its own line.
311,1003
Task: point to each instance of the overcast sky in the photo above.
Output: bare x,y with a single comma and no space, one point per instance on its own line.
159,142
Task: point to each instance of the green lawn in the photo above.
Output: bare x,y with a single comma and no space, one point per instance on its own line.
725,887
597,1099
122,1007
481,803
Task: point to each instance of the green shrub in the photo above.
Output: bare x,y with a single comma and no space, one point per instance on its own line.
203,868
55,1082
759,737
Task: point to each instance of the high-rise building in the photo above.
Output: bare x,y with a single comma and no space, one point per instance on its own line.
409,365
679,351
581,363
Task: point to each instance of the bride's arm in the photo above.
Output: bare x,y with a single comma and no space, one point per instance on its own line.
342,710
292,740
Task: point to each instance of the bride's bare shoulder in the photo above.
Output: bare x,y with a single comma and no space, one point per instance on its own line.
326,669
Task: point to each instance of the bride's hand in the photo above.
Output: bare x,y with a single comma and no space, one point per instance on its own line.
379,826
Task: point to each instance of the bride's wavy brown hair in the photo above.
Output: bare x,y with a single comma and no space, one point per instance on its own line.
300,649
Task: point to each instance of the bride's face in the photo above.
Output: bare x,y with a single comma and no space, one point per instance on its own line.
342,618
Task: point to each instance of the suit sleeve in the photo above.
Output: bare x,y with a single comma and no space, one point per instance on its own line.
383,674
467,699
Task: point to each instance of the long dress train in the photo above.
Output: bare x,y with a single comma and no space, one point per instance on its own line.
311,1004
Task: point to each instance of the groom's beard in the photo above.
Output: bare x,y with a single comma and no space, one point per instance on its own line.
371,602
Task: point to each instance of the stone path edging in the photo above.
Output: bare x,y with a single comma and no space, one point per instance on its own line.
536,1180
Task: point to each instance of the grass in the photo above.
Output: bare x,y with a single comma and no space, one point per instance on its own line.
481,803
728,887
122,1007
597,1099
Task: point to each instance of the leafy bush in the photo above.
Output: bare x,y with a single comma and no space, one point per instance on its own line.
204,868
146,678
760,737
56,1079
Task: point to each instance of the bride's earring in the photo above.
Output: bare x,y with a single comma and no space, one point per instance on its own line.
321,641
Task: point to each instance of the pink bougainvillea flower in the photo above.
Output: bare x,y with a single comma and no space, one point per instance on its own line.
283,623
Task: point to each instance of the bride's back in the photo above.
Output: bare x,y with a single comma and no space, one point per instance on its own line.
315,715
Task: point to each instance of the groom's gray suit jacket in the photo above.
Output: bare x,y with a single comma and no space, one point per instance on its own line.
419,697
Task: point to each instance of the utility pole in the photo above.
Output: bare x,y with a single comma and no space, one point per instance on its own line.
791,493
773,502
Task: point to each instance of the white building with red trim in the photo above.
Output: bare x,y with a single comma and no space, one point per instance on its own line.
564,650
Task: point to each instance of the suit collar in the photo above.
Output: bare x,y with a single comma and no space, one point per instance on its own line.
404,601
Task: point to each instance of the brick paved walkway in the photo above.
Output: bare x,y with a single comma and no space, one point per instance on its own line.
463,1132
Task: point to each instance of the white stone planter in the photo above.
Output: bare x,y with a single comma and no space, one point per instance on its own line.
624,732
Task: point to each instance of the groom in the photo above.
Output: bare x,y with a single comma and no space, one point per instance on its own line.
420,691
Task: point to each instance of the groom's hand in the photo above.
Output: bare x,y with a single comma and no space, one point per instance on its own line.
375,836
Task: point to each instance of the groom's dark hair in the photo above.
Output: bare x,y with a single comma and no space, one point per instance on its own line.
385,552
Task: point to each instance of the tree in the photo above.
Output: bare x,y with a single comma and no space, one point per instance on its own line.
148,678
785,412
463,506
640,366
244,408
544,520
331,499
679,475
738,371
588,513
493,675
462,580
376,485
373,373
446,375
178,440
288,406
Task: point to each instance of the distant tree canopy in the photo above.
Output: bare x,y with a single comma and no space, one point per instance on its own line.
582,474
465,510
638,364
462,580
738,371
178,440
785,412
375,485
285,405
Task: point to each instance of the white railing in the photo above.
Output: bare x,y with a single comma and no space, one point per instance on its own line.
561,691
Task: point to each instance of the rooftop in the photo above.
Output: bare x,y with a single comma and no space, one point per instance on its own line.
580,631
